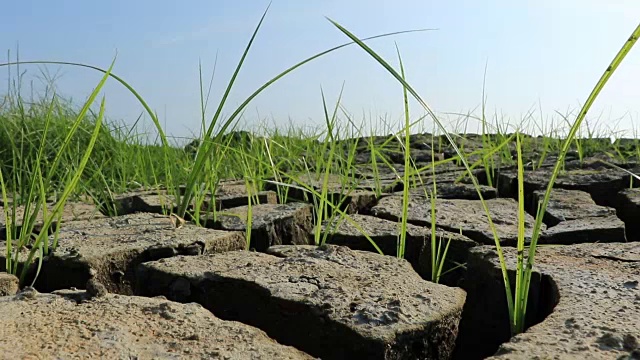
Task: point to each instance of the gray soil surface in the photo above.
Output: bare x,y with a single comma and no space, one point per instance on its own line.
384,234
342,300
467,216
8,284
111,247
596,292
72,325
71,211
271,224
629,211
450,190
230,193
573,217
593,177
351,304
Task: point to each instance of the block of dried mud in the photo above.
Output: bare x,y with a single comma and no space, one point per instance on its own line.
350,201
336,184
417,155
629,211
110,248
447,172
9,284
599,180
158,203
71,211
467,216
354,202
234,193
331,302
161,202
585,230
569,205
151,201
271,224
585,304
230,200
65,325
384,233
573,217
450,190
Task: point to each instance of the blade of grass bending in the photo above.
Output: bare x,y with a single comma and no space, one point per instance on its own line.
617,60
154,118
455,147
144,104
198,166
407,155
517,318
7,228
619,168
208,140
76,177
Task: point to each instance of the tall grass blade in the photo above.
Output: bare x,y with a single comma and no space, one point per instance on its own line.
415,95
617,60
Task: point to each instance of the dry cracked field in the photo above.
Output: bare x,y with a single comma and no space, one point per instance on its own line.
141,286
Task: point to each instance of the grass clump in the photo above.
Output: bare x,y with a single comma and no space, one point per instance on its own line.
33,194
517,304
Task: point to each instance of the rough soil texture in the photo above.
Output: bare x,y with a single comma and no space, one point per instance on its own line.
467,216
384,234
586,230
567,205
450,190
272,224
74,325
230,194
629,211
71,211
573,217
592,289
340,303
331,302
349,198
592,176
8,284
111,248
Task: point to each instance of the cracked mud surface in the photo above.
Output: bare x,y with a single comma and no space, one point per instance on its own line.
352,303
332,302
68,325
597,314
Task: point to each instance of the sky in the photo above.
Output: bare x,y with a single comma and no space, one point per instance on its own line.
538,56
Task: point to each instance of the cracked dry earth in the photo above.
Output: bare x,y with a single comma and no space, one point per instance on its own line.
134,286
69,324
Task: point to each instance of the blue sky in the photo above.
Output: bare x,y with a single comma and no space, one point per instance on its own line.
539,55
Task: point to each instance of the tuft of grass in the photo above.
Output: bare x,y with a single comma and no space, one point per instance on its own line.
37,190
516,307
522,293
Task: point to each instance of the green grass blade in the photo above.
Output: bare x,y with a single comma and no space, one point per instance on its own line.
517,318
617,60
410,89
407,155
75,179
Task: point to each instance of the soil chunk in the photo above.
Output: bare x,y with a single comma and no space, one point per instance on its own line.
331,302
